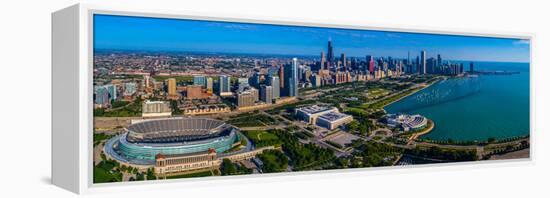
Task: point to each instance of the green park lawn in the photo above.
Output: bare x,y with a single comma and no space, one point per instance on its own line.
262,138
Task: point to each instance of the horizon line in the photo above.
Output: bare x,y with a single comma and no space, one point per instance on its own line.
276,54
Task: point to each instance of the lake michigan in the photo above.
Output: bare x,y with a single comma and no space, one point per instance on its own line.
474,108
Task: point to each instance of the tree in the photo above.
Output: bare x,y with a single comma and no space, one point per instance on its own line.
353,125
228,168
273,161
174,106
140,177
151,174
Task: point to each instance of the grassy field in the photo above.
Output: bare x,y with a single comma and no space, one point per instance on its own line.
262,138
260,135
102,173
380,104
377,92
103,176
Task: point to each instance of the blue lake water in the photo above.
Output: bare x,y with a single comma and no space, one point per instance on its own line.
474,108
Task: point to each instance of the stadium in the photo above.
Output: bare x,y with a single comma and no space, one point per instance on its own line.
144,140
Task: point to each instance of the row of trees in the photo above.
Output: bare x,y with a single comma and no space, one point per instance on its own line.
490,140
455,155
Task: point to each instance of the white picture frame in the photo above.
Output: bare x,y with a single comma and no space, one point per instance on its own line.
72,111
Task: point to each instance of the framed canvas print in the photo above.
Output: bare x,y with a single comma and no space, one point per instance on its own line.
145,97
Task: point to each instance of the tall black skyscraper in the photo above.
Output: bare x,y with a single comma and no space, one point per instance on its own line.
409,58
471,67
343,60
423,62
323,60
330,53
417,64
439,63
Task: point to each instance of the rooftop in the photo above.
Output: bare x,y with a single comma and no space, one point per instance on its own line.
333,116
314,109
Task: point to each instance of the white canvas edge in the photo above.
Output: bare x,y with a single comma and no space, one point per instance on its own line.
86,185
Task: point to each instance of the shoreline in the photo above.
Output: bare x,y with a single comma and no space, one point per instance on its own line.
415,136
476,142
413,92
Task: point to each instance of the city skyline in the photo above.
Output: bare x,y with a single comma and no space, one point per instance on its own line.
156,34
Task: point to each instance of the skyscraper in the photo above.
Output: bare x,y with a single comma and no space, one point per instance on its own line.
291,78
315,80
102,95
330,53
417,64
172,87
266,94
112,91
423,62
323,60
282,76
439,61
431,65
301,71
370,63
224,85
242,84
254,81
209,85
245,98
409,58
343,59
471,67
273,81
199,80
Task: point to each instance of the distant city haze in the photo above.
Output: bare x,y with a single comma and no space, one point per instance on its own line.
159,34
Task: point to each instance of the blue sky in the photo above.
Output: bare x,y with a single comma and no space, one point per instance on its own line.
139,33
